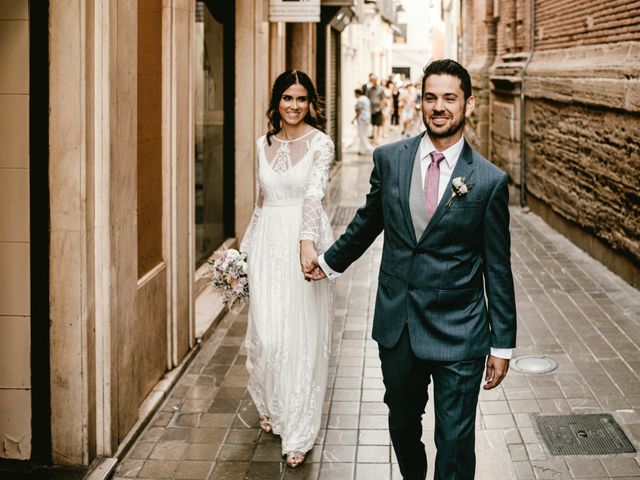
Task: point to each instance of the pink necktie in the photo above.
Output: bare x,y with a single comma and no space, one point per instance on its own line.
431,183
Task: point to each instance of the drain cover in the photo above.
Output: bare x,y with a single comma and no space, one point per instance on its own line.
534,364
594,434
342,215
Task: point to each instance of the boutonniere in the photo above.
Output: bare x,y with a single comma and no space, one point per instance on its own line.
459,188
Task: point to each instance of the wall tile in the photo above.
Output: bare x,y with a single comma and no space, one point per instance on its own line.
14,130
15,348
14,198
14,281
14,56
15,424
14,10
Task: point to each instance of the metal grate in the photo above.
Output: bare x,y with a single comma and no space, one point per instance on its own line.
593,434
342,215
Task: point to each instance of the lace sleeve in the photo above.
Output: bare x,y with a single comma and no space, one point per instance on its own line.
312,209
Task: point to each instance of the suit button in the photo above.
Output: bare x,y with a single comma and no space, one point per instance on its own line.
411,288
416,253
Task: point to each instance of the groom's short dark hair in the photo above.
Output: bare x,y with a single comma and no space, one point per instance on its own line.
449,67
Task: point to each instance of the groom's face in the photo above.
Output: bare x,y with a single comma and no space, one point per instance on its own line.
444,107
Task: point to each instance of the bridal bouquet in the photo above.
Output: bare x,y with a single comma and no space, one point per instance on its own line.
228,272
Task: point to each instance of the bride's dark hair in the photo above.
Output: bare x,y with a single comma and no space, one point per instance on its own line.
315,115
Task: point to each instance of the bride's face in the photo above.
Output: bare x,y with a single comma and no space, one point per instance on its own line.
294,105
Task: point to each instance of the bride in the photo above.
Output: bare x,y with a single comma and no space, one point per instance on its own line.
289,331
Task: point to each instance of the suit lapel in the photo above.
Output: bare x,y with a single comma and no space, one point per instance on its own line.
464,168
405,168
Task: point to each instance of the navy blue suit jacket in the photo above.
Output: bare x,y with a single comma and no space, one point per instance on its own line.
452,287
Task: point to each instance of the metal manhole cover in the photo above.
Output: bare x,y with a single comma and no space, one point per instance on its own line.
593,434
343,215
534,364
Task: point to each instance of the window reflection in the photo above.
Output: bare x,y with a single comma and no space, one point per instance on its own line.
209,126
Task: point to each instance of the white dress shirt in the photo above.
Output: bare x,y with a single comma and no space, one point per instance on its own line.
451,155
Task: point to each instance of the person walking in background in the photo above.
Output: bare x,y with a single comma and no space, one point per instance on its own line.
363,121
408,106
288,335
445,297
395,95
366,86
376,96
387,108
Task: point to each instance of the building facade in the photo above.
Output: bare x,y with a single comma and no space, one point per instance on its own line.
559,109
417,40
367,42
130,129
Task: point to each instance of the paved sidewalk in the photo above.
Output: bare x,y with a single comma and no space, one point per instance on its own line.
570,308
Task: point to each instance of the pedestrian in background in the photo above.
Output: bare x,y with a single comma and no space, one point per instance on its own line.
408,109
445,297
289,331
395,96
368,85
376,96
387,108
363,121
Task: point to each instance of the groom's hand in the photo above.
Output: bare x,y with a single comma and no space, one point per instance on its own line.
497,369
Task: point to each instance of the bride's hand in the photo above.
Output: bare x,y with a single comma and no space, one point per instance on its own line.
308,255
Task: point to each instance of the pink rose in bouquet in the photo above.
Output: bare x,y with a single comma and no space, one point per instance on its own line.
228,273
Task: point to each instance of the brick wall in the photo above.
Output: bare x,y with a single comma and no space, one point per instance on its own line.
513,26
563,24
582,118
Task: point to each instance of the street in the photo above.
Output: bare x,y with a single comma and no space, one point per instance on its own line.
570,308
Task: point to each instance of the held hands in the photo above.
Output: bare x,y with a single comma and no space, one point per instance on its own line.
497,369
309,261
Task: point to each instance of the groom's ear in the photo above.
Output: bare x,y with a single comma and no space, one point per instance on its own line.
469,106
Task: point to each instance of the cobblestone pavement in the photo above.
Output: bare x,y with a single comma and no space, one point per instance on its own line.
570,308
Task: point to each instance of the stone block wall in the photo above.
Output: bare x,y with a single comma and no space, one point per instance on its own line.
581,114
584,162
583,137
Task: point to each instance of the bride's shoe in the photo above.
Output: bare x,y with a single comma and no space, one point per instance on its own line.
265,424
295,459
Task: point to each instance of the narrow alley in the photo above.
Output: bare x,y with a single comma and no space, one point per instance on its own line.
571,309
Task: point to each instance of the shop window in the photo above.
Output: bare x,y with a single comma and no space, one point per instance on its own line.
209,131
149,135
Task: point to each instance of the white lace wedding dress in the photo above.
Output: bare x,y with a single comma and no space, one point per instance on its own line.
289,332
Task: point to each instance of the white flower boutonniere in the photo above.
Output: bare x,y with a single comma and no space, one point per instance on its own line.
459,189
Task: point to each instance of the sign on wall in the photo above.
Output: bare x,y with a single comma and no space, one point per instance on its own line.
294,10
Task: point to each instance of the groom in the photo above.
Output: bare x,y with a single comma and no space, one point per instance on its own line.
445,296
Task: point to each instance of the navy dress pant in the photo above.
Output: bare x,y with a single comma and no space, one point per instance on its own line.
456,386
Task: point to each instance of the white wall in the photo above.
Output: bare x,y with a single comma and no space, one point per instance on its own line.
366,48
451,10
421,17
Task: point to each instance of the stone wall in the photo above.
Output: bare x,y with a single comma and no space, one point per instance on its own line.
478,53
581,118
582,135
584,162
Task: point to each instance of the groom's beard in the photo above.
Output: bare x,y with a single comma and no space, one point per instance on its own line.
455,127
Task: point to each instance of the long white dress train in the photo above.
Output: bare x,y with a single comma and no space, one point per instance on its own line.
289,332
